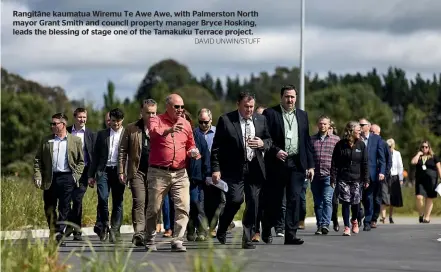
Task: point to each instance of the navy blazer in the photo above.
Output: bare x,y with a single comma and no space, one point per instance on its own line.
198,170
388,158
376,157
89,141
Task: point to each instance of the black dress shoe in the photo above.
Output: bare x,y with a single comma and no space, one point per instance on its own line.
60,240
294,241
77,237
104,234
367,227
248,246
221,237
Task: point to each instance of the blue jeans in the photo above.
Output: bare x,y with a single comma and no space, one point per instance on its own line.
322,193
197,215
106,184
168,213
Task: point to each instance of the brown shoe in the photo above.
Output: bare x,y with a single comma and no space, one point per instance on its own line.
302,225
374,225
168,233
256,238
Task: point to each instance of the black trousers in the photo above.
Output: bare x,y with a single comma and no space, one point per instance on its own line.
60,192
290,181
76,213
214,204
249,186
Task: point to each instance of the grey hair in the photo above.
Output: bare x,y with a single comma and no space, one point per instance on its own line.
168,99
207,111
149,101
349,130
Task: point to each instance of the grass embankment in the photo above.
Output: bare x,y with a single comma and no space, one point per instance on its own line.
22,205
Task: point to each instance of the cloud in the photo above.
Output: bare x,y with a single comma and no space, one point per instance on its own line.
85,63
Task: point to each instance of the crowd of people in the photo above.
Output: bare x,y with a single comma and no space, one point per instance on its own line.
266,156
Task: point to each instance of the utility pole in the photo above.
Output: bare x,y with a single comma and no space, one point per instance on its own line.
302,56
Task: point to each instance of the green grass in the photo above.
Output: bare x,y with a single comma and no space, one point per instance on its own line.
22,205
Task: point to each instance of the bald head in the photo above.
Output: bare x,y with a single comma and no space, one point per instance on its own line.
174,106
375,129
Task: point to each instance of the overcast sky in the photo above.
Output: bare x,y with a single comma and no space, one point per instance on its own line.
341,36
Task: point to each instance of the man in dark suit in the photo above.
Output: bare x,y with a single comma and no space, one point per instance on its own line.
237,157
87,139
289,162
377,172
58,166
104,172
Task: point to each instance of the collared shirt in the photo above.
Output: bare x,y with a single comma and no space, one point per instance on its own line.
397,165
115,136
80,133
366,139
291,131
172,149
209,136
248,132
323,149
59,155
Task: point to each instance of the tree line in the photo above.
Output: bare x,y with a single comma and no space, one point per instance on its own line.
407,109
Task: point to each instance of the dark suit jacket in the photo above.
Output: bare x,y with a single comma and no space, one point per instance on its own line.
276,126
198,170
377,161
101,152
89,141
387,158
227,151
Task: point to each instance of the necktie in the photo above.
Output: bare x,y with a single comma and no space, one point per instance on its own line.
249,151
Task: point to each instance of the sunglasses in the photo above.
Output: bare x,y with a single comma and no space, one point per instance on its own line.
204,122
362,125
425,146
179,107
54,123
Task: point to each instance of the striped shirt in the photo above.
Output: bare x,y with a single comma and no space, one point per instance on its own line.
323,149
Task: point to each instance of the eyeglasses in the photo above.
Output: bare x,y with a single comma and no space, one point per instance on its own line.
179,107
55,123
204,122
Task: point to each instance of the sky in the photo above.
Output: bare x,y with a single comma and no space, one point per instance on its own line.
342,36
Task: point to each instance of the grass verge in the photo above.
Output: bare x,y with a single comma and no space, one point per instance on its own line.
22,205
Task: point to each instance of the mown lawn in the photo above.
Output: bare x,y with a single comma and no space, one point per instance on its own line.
22,205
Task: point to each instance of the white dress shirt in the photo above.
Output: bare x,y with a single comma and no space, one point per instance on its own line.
79,133
397,165
113,147
59,155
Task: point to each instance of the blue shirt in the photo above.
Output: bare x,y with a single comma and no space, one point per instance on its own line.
209,136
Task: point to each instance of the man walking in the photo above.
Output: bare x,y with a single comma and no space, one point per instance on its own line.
87,139
58,166
133,159
103,171
172,142
237,157
377,171
323,144
289,162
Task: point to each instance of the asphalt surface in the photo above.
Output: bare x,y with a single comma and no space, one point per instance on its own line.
399,247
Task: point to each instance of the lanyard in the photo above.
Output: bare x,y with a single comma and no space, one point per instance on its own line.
424,159
287,120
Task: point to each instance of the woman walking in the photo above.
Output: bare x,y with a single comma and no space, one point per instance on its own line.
349,171
428,169
391,188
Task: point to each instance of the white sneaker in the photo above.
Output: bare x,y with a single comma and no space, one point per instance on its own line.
280,234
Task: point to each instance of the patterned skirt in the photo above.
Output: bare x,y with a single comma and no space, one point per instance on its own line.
349,192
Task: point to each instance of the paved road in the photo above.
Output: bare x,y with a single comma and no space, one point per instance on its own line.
401,247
